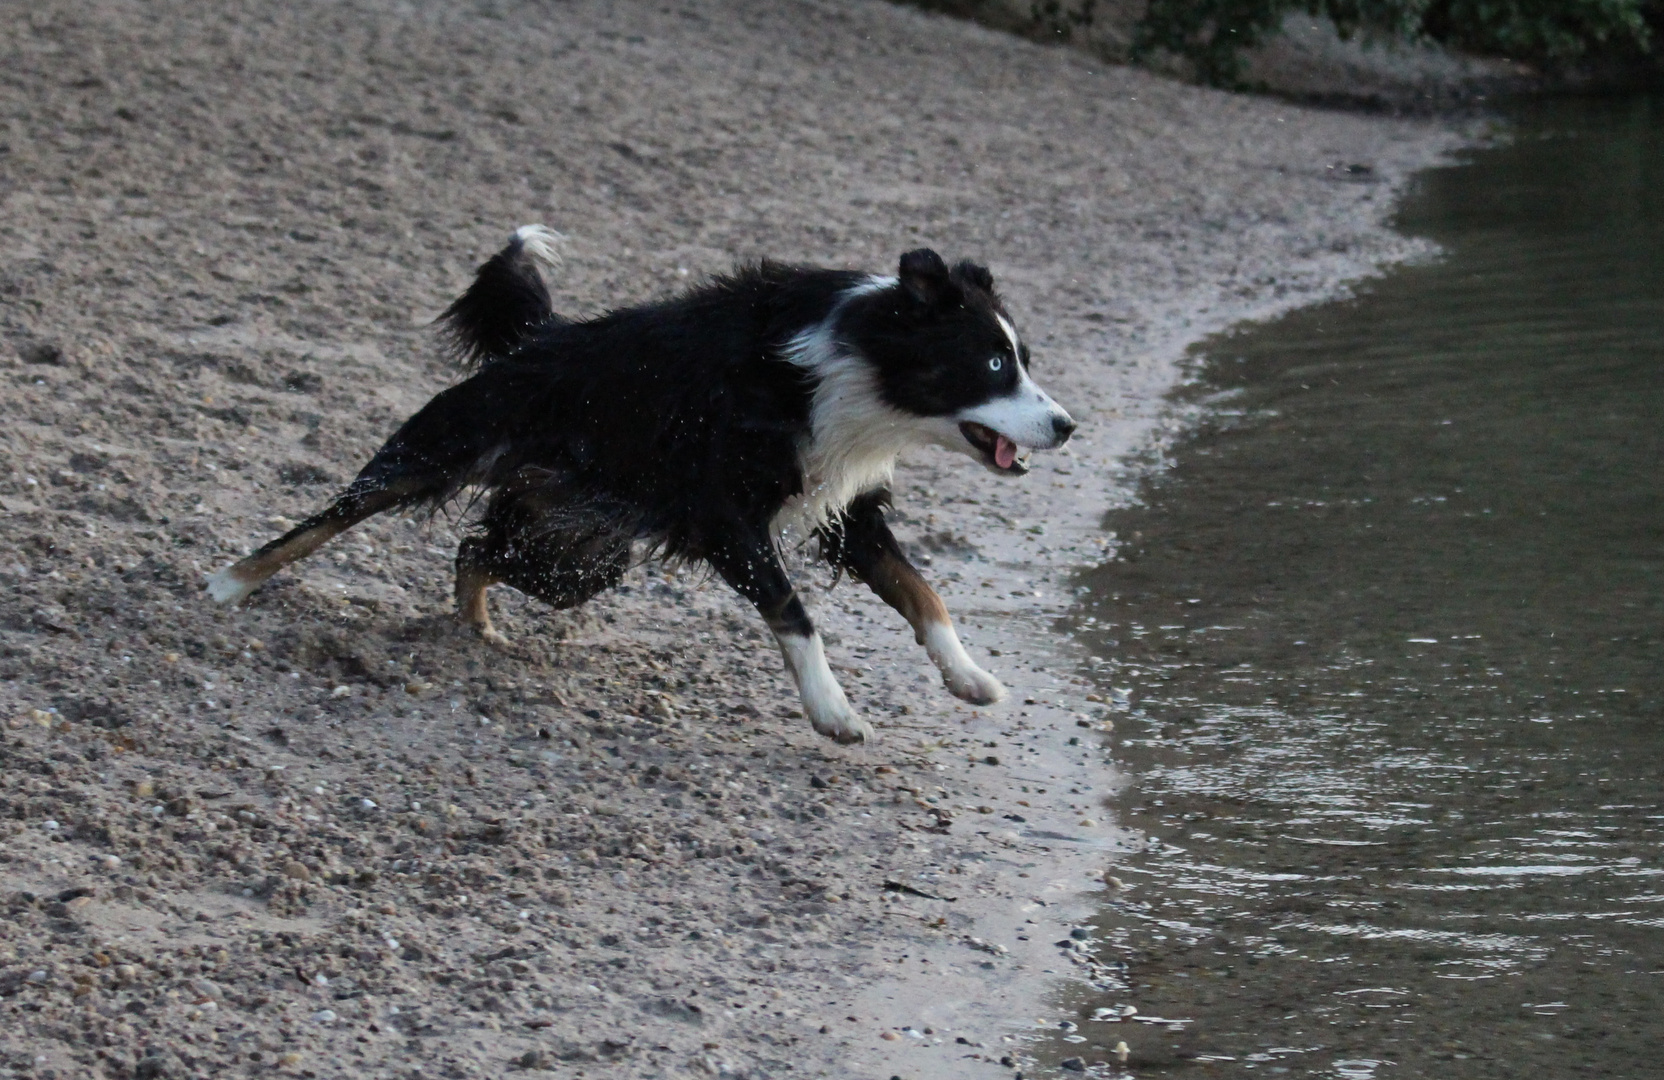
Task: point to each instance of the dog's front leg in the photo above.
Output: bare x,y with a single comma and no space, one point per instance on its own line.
861,542
752,566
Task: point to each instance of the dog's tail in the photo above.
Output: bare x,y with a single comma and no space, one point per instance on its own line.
508,299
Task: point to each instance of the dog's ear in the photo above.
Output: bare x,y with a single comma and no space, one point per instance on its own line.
925,276
971,273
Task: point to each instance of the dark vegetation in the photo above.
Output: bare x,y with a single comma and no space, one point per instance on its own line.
1564,41
1211,34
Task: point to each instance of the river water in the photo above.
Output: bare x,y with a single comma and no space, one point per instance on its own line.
1384,644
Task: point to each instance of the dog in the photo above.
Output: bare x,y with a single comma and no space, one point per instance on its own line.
758,409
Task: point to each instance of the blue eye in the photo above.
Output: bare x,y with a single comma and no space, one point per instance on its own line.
996,363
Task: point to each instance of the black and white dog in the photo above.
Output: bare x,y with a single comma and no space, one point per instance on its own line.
766,404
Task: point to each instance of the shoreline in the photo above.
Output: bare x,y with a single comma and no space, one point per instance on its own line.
332,830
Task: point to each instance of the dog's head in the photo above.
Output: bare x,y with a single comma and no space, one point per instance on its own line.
947,353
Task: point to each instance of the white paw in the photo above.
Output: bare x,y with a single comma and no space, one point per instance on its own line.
841,724
488,634
226,587
970,683
823,699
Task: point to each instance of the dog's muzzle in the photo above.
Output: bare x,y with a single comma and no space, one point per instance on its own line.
1004,454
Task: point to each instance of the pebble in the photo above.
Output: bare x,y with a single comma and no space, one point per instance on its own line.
890,1036
297,870
324,1016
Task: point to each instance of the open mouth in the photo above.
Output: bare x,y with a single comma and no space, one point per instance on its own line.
997,451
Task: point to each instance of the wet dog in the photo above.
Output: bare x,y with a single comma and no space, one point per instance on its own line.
765,405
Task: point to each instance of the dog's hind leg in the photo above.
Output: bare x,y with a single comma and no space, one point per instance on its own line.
749,563
454,440
234,584
861,542
514,546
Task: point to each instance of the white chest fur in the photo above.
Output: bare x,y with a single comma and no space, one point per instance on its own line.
854,435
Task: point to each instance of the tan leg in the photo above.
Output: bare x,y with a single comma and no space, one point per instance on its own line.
471,607
902,587
234,584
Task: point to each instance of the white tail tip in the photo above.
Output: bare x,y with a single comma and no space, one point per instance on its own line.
227,588
543,244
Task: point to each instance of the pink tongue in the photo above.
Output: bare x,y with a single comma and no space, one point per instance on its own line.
1005,451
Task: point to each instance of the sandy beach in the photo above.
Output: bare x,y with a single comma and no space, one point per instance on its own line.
331,834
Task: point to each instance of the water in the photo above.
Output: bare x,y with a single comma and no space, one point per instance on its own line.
1392,625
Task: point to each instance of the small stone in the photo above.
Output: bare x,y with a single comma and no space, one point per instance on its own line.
157,1064
1073,1065
991,760
1081,933
890,1036
290,1060
297,870
324,1016
341,691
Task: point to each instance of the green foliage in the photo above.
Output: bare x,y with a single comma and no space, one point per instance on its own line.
1211,34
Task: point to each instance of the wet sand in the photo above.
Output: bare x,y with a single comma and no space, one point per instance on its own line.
334,834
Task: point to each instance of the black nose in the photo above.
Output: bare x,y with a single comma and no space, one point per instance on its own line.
1064,427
